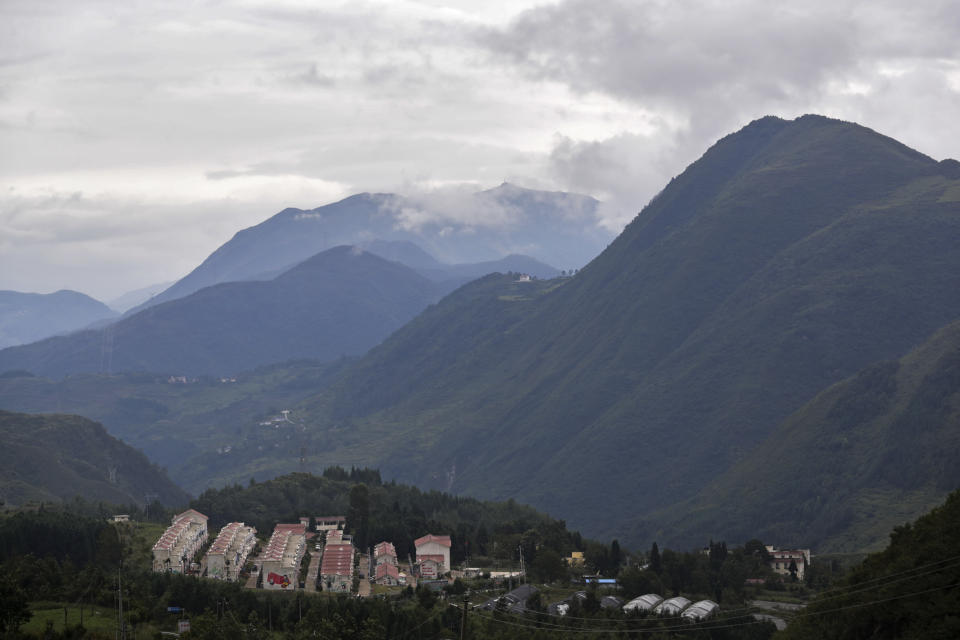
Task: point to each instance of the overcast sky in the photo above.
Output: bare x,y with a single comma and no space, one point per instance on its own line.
137,136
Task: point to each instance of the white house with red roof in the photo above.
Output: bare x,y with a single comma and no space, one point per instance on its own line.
282,556
387,574
384,552
229,551
336,566
180,542
433,546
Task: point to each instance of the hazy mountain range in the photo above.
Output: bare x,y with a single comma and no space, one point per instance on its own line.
560,229
26,317
679,387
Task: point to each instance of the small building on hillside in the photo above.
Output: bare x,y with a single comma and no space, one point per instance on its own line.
387,575
430,567
185,536
431,545
328,523
282,556
782,559
384,553
336,567
229,551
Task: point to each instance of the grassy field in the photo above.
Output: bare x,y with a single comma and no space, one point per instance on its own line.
100,622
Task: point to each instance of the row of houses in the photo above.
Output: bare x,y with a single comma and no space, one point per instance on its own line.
177,547
280,560
433,560
229,551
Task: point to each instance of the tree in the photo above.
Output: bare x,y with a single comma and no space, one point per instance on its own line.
656,564
615,557
358,517
13,607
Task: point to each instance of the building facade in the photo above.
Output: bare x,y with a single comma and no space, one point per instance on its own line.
281,559
229,551
431,545
781,560
185,536
336,567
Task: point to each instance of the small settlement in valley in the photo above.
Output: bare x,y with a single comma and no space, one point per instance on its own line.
279,564
325,559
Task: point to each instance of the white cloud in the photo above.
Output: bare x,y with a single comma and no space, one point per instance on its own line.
220,113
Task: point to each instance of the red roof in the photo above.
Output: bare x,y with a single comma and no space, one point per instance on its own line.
337,560
188,512
441,540
431,557
387,570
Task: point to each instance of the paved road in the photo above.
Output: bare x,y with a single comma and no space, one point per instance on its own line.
312,572
779,623
364,589
775,606
252,580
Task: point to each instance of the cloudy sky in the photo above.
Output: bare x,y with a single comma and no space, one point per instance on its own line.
137,136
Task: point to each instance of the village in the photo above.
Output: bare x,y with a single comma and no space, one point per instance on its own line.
335,564
316,555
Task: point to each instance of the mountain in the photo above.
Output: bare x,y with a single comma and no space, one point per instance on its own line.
553,227
136,297
28,317
860,458
908,591
425,264
339,302
790,256
181,424
57,457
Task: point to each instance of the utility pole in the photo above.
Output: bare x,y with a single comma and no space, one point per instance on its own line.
463,620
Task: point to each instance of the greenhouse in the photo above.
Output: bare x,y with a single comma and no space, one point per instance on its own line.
700,610
643,603
672,607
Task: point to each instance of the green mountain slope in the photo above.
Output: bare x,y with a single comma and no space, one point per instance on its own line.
174,421
339,302
911,590
863,456
57,457
791,255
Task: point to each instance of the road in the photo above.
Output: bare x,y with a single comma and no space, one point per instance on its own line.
312,571
776,606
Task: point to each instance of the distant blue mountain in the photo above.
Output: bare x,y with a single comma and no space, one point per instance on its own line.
340,302
556,228
28,317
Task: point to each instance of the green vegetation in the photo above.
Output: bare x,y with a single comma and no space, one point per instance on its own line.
909,590
57,457
378,511
877,448
184,427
